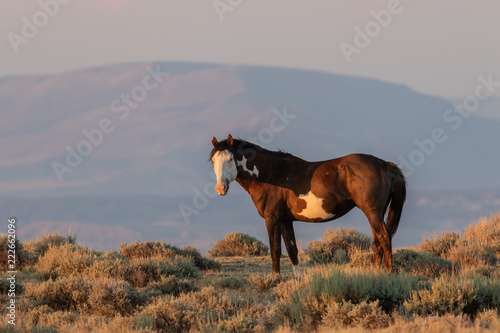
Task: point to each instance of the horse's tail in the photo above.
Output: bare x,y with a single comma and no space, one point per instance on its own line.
397,197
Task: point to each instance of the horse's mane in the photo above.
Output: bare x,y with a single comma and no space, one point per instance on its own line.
242,145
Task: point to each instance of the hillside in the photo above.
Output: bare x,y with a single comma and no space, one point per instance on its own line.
447,283
153,156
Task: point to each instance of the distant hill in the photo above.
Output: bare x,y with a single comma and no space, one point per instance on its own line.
142,142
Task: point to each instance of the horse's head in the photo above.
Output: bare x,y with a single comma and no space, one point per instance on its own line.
224,164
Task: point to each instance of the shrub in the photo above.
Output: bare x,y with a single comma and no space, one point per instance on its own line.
109,265
44,319
231,282
140,272
64,260
65,293
344,240
446,295
171,315
4,257
149,249
5,286
110,297
364,314
440,246
205,309
169,285
38,248
419,263
264,283
470,254
307,303
238,244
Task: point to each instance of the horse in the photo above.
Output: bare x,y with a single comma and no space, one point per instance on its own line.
286,188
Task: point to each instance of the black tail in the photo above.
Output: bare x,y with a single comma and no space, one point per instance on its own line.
397,197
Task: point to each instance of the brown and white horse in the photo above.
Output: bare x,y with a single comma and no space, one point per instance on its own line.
285,188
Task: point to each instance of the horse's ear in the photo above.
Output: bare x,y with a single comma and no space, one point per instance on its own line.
230,140
214,141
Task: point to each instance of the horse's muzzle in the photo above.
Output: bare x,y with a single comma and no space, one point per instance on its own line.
222,188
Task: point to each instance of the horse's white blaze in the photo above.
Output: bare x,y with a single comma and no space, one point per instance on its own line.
225,170
243,164
314,207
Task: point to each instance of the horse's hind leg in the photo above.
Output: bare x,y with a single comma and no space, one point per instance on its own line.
382,243
290,243
291,246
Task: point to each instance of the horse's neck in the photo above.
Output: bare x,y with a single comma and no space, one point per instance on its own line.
270,170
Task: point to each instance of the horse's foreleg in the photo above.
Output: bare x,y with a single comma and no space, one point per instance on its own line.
274,231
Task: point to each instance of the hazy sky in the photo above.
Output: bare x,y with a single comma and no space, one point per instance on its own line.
434,46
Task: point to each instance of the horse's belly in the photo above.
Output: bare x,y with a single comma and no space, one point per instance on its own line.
311,208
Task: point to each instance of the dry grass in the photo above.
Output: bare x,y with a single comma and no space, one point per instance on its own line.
447,284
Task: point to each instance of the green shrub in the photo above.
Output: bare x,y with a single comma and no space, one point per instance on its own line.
238,244
200,261
231,282
307,303
446,295
110,297
5,286
346,314
344,240
169,285
65,260
66,293
421,263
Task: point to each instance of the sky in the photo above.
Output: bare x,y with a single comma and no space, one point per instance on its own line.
439,47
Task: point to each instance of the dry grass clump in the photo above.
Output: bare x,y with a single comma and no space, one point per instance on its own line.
338,246
236,244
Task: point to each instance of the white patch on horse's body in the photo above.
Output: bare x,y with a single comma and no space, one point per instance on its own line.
243,164
314,207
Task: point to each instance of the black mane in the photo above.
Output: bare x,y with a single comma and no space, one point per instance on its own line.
243,145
